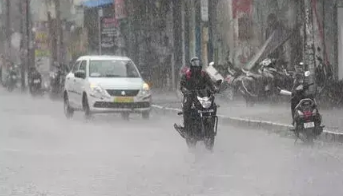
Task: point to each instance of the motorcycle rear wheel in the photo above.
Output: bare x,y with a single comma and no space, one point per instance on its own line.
306,136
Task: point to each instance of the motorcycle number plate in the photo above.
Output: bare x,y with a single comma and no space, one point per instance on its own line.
308,125
36,81
205,111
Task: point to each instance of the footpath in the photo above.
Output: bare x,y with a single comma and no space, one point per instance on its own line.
277,113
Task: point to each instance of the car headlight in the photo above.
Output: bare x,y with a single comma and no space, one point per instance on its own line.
97,89
145,89
205,102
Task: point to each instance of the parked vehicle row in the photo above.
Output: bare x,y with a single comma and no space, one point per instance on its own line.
113,84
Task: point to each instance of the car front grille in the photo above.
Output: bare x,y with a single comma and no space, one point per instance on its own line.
129,93
101,104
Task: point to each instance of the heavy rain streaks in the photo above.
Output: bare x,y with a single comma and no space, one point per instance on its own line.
47,154
90,91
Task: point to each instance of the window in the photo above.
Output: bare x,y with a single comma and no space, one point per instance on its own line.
113,69
83,66
75,66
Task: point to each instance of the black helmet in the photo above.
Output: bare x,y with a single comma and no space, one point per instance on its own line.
195,66
195,62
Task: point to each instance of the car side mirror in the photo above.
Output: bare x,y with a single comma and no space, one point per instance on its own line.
80,74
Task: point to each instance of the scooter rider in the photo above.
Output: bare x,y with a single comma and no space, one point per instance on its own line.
297,95
193,79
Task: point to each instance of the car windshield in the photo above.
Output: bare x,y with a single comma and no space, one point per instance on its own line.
113,69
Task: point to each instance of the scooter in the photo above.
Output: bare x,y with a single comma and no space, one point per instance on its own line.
307,119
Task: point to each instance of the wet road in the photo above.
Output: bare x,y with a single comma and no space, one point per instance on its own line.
43,154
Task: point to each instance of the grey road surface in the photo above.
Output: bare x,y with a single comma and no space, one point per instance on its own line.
43,154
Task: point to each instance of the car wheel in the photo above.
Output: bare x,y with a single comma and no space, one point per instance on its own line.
86,108
146,115
125,115
68,111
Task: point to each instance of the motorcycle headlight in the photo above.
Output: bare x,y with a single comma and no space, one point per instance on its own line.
205,102
53,75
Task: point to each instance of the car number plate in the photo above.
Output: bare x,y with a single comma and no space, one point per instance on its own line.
309,125
123,99
36,81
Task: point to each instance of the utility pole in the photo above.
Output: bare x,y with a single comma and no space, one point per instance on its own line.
309,50
59,30
51,39
8,29
22,53
100,15
27,36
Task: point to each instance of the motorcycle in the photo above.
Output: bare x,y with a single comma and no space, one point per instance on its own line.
12,78
262,85
35,83
307,119
57,78
204,120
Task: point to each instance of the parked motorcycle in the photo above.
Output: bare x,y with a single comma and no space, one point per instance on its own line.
307,119
12,78
221,73
232,82
263,84
204,120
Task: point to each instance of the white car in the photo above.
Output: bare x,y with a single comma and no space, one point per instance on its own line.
106,84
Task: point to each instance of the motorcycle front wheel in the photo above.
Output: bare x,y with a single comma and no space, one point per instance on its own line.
10,87
210,134
191,143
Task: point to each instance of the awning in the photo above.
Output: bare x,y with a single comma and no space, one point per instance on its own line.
96,3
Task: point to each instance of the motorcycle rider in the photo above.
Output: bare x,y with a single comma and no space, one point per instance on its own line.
299,79
34,74
193,79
